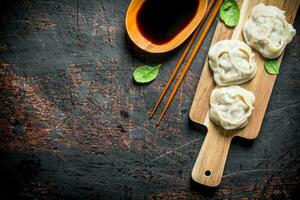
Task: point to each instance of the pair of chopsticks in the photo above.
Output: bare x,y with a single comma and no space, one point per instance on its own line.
190,59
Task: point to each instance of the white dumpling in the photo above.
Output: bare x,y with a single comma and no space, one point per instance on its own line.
231,107
267,30
232,62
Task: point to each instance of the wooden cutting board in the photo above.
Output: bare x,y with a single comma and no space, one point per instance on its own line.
209,165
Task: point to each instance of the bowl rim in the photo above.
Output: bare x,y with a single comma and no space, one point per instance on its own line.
138,38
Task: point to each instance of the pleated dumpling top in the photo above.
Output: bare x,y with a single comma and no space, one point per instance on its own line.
231,107
267,30
232,62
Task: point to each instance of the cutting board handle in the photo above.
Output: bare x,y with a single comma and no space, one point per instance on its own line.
209,166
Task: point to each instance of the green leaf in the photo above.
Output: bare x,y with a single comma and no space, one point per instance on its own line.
230,13
272,67
145,73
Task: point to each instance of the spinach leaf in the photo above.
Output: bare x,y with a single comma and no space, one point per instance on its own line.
145,73
272,67
230,13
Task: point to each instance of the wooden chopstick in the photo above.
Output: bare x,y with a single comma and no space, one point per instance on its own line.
181,59
191,58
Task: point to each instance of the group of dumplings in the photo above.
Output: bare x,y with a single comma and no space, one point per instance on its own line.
233,63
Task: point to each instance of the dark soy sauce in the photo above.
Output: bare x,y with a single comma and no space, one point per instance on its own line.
161,20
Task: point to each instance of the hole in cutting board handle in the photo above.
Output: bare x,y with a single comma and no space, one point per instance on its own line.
207,173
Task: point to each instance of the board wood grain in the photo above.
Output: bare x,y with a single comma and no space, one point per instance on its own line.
210,162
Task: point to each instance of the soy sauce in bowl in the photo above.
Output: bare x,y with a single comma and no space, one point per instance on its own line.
161,20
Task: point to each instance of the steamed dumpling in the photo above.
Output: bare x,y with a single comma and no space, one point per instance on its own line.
268,31
231,107
232,62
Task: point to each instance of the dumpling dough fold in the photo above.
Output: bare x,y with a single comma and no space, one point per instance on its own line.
232,62
231,107
267,30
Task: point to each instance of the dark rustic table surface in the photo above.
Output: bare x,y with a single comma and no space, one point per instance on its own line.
73,125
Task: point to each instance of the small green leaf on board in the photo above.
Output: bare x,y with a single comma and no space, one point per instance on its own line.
230,13
272,67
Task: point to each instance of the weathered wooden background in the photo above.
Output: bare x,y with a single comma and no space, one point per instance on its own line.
73,125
